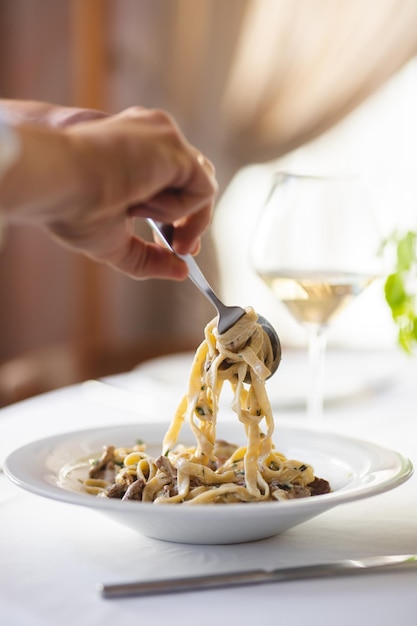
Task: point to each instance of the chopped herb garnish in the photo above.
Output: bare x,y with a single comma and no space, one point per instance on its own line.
139,442
274,466
199,410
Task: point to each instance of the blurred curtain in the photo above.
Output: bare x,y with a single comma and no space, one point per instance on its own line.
247,80
299,67
250,80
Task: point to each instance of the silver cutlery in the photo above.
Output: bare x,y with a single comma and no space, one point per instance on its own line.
347,567
228,315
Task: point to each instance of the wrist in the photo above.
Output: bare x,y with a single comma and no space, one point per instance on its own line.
44,180
99,156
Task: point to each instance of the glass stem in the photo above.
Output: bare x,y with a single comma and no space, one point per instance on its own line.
317,340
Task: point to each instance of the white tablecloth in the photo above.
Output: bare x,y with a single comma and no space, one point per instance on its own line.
52,554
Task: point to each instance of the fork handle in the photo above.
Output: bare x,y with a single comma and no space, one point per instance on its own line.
165,233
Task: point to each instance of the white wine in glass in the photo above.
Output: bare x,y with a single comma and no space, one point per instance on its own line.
316,247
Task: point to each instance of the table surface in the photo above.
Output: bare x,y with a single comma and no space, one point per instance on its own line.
53,554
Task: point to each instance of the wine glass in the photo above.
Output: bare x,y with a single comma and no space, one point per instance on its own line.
316,246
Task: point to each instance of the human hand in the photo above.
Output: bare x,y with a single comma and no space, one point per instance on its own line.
144,167
101,174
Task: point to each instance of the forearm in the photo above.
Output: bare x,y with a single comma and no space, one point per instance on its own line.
25,111
39,113
44,180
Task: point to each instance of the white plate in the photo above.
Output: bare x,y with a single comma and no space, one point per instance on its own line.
355,469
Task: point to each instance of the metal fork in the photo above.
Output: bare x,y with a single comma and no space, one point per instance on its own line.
228,315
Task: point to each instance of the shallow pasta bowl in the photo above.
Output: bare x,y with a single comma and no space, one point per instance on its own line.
355,469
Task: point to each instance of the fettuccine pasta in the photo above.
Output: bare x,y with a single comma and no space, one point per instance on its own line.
213,471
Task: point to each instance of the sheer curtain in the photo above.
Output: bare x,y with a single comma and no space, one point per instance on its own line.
250,80
299,67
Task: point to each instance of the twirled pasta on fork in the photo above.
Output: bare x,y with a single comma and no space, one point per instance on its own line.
213,471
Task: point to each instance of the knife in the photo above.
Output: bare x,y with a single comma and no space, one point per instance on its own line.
345,567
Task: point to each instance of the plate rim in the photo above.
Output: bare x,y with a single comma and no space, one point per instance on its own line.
401,473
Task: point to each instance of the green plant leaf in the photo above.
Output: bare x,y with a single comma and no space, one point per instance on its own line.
395,293
405,252
402,303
